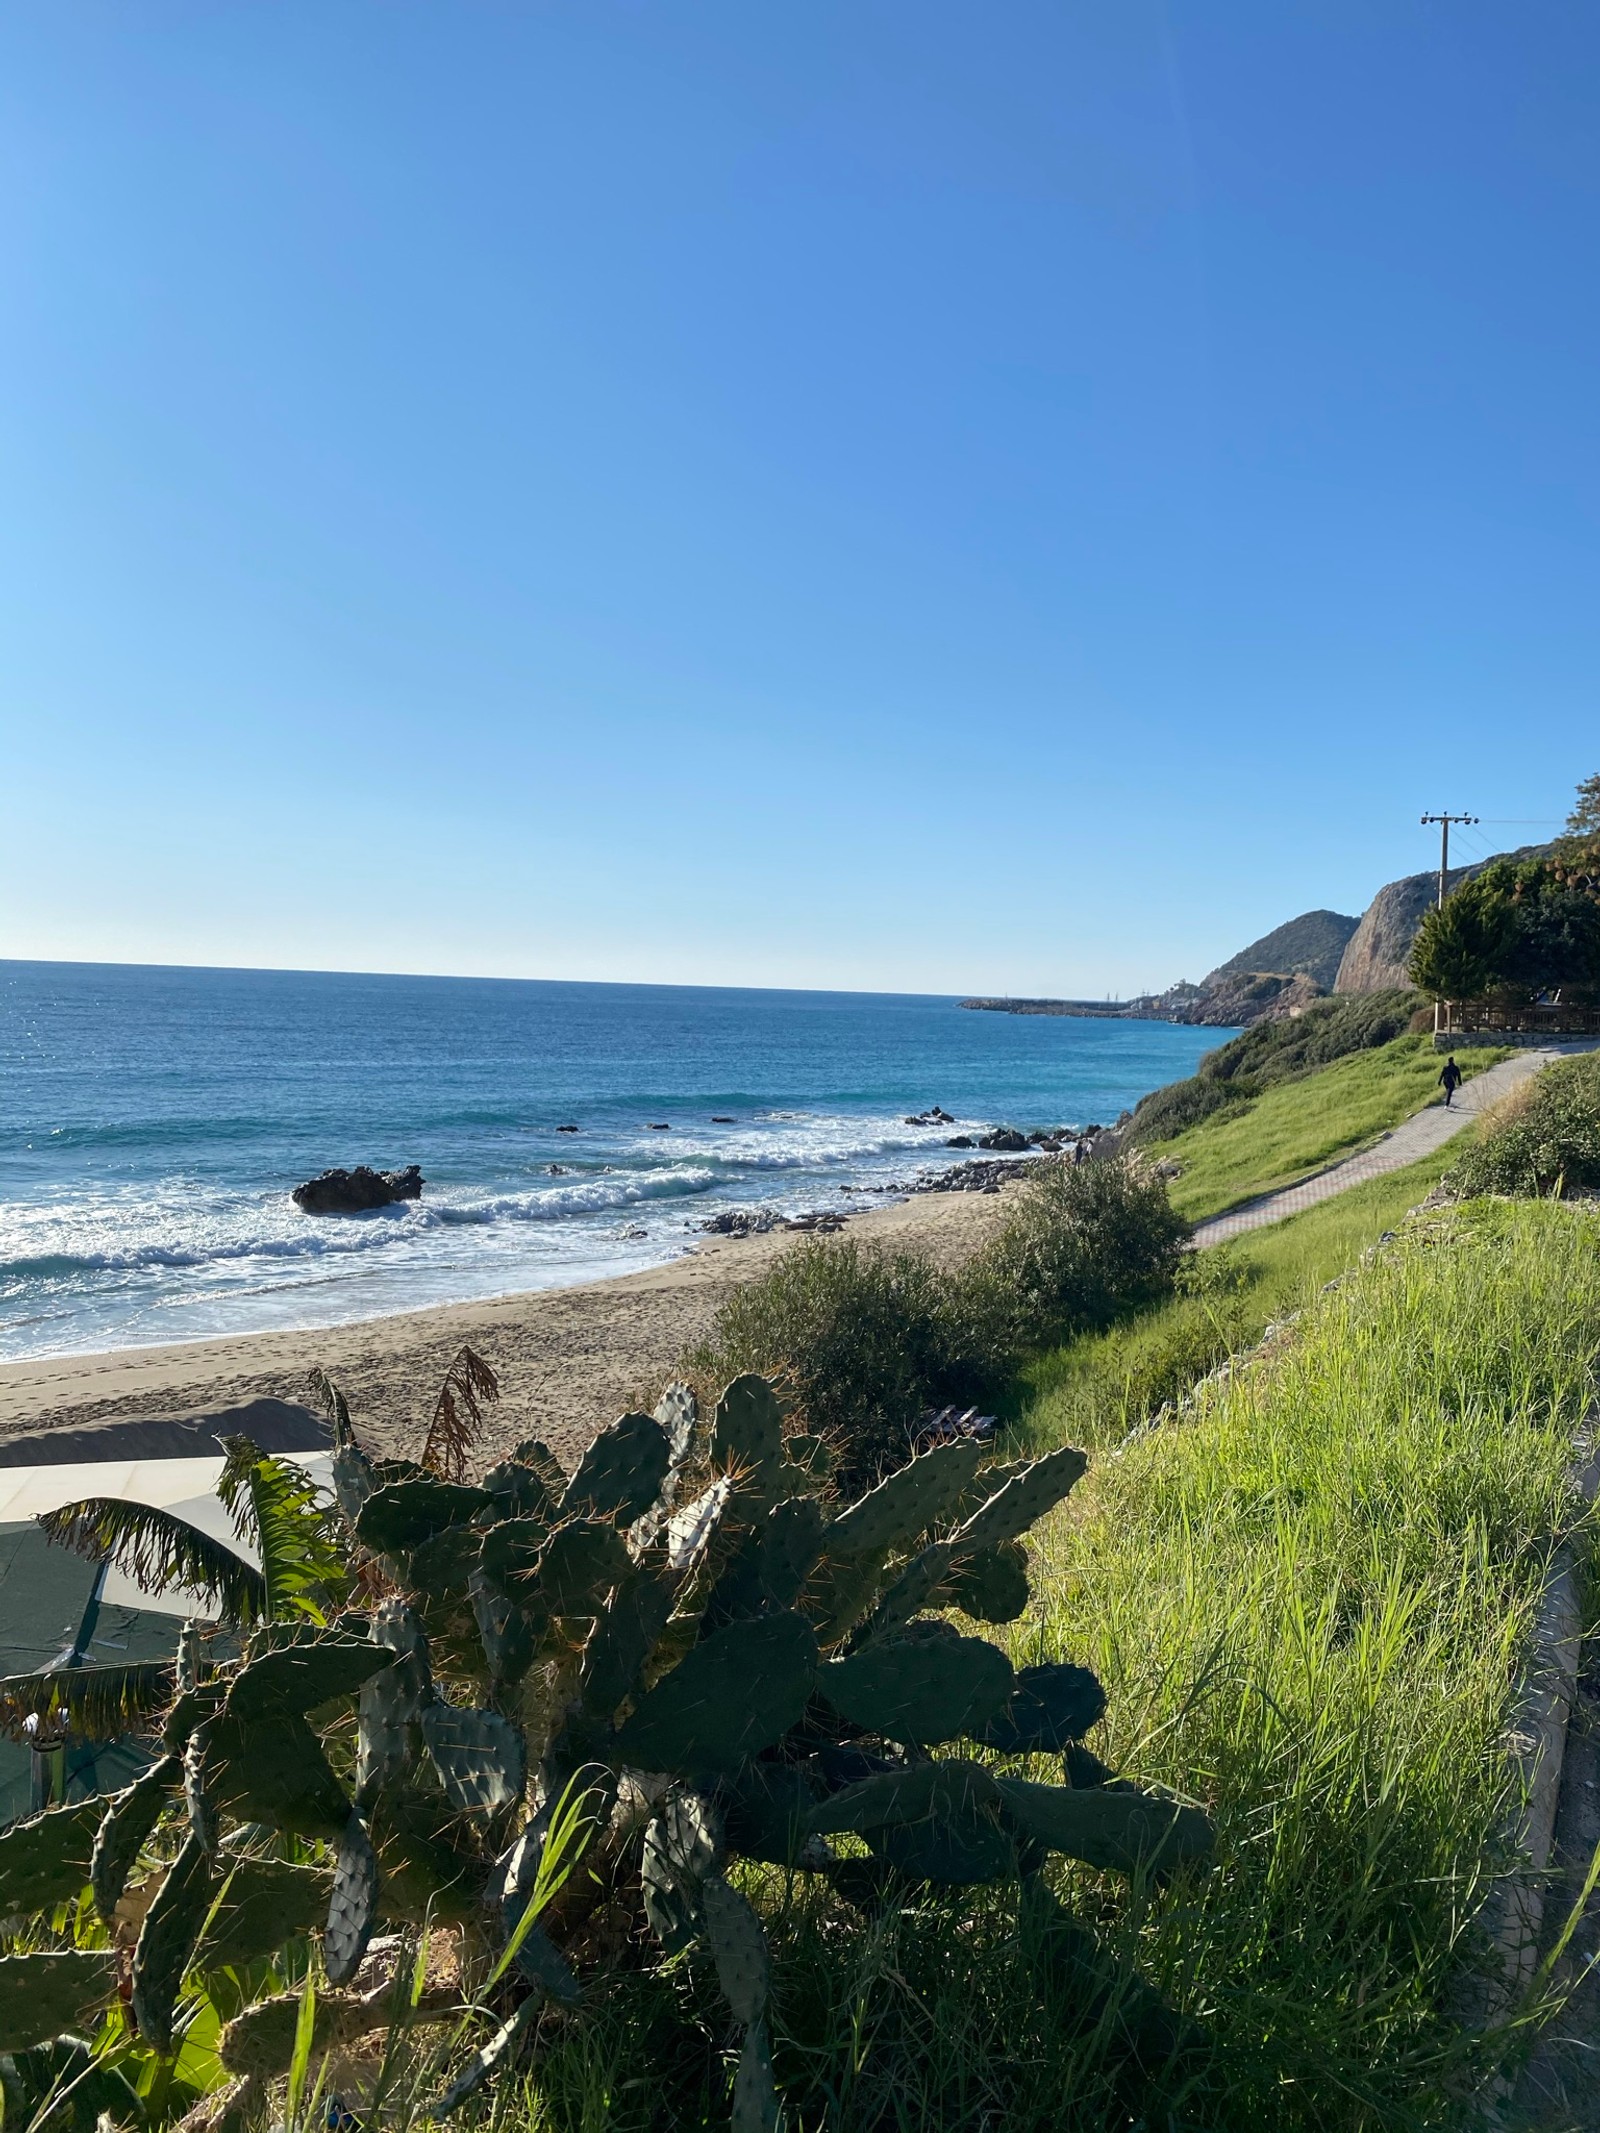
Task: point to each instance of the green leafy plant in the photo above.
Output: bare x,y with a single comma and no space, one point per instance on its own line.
670,1681
868,1340
1547,1141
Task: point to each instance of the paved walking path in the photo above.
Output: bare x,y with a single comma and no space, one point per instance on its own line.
1413,1138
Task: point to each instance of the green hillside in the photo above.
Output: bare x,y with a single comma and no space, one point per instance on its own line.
1313,942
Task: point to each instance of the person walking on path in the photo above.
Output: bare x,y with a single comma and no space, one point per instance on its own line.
1450,1080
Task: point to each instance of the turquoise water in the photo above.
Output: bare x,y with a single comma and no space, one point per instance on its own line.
154,1121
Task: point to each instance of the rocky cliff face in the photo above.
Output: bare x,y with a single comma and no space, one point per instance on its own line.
1380,945
1375,957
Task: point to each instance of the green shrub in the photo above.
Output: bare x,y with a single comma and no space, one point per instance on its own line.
870,1339
1085,1244
1270,1052
1550,1143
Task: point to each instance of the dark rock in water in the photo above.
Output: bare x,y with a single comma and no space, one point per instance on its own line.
355,1192
723,1121
970,1177
663,1127
934,1116
1006,1140
741,1222
962,1140
566,1129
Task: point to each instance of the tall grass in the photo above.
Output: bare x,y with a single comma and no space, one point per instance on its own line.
1094,1390
1308,1604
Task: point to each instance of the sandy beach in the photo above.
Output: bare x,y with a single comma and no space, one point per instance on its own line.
569,1360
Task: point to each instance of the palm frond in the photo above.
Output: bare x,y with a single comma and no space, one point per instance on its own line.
276,1505
99,1702
158,1550
469,1384
334,1405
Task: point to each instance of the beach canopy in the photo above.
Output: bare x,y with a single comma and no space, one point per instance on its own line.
57,1608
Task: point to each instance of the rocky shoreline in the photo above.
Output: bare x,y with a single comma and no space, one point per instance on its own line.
978,1175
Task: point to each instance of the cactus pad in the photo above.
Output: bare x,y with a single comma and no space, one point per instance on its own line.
129,1819
919,1686
580,1564
42,1995
991,1585
403,1514
920,1793
730,1696
544,1965
264,1903
747,1433
45,1859
391,1703
534,1452
678,1413
765,1808
738,1947
509,1633
167,1942
352,1904
970,1845
197,1794
1049,1707
1110,1825
682,1843
274,1771
508,1554
477,1755
620,1475
917,1496
259,2043
755,2090
424,1874
521,1491
691,1530
1023,1500
301,1676
621,1642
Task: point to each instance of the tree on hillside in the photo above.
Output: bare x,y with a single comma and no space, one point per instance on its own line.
1584,821
1462,944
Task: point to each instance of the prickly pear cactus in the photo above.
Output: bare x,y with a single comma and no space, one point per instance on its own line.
682,1652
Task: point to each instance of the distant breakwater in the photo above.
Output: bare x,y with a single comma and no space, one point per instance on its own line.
1102,1010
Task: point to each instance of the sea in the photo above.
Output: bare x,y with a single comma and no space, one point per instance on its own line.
153,1123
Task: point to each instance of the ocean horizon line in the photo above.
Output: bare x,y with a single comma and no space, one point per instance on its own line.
469,977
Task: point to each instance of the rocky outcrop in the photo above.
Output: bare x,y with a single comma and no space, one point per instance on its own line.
1381,945
1375,959
1250,996
358,1191
1308,946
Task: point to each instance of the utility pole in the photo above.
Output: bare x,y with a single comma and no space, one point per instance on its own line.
1444,822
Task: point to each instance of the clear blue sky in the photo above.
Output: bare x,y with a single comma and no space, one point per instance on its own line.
908,495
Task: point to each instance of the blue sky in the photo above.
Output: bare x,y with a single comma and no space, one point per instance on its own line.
916,496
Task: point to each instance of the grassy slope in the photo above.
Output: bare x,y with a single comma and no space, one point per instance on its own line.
1307,1605
1096,1389
1298,1127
